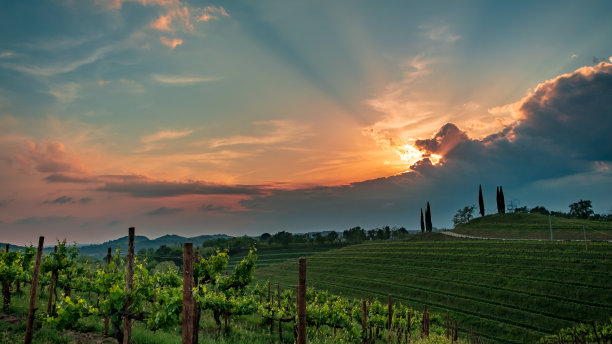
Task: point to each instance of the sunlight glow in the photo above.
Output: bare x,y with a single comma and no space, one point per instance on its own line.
411,154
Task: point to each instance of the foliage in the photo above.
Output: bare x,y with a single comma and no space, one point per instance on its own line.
581,209
481,201
464,215
69,313
583,333
539,210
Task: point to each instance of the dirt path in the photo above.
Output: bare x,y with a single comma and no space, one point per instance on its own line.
457,235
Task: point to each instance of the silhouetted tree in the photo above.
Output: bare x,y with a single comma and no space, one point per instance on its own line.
502,201
422,222
540,210
464,215
332,237
480,201
581,210
497,198
354,235
428,225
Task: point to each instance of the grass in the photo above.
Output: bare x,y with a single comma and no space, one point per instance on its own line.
507,291
535,226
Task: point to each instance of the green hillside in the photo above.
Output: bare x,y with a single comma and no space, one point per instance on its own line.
535,226
510,291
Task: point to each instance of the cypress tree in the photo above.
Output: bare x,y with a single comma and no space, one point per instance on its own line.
480,200
497,199
422,223
428,224
502,201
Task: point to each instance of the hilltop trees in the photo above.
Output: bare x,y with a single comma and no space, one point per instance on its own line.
464,215
480,201
428,225
581,209
422,222
501,202
354,235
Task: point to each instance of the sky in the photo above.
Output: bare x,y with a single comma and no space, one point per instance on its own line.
245,117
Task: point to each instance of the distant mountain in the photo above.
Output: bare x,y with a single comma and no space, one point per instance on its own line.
140,242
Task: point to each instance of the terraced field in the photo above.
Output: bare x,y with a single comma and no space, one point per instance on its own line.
510,292
269,255
535,226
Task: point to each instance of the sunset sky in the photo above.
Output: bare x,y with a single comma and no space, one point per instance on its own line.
244,117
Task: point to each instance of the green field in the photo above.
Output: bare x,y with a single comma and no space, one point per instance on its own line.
267,256
510,291
535,226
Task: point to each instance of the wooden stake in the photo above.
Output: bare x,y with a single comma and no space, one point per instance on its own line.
198,309
390,313
280,323
129,283
188,309
106,318
301,301
52,287
364,320
33,287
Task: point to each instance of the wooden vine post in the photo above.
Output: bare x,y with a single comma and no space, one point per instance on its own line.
188,309
52,287
129,283
390,313
106,318
301,301
6,288
34,286
198,308
364,321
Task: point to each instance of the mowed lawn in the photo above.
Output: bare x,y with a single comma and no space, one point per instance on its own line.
507,291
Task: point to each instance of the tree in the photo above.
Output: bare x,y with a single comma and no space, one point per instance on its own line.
428,225
265,236
502,201
539,210
332,237
422,222
497,199
354,235
480,201
283,237
464,215
581,209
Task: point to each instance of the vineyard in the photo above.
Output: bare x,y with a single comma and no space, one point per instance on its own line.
120,294
535,226
508,292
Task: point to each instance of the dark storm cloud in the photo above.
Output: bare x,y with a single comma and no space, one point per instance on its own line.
558,152
214,208
61,200
445,140
164,211
5,202
144,187
572,113
147,189
85,200
65,178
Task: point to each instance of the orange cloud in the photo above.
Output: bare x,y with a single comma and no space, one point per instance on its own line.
48,157
212,12
171,43
163,23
